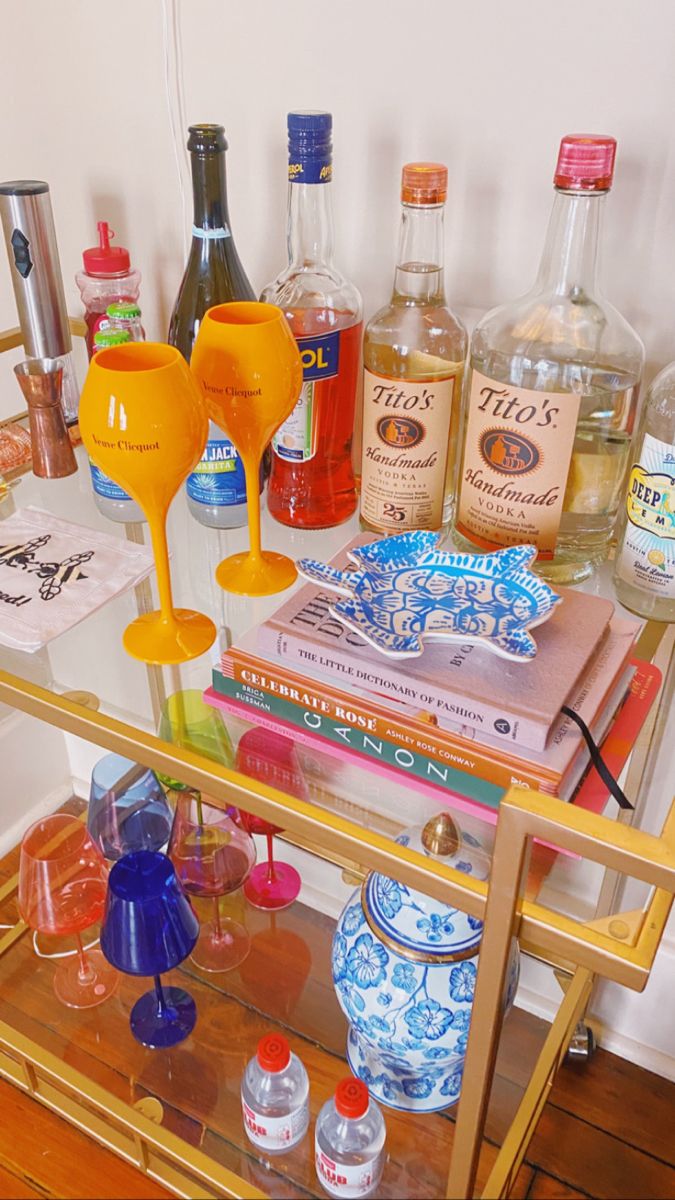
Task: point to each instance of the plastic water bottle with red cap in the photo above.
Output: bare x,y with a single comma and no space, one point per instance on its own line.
349,1141
275,1096
107,278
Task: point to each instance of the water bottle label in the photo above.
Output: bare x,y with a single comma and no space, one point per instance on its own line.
296,439
219,477
647,557
275,1133
355,1179
104,486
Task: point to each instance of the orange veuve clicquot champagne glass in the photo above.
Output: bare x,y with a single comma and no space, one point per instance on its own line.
143,421
248,363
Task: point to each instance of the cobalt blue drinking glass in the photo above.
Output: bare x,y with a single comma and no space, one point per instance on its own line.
149,927
128,809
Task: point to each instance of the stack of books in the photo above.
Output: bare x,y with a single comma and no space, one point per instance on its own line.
457,718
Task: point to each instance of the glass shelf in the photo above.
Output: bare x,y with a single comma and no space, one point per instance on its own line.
89,666
285,985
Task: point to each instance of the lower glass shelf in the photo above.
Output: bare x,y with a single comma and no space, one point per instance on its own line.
285,984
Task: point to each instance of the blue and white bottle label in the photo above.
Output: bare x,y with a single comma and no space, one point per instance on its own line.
647,557
219,476
104,486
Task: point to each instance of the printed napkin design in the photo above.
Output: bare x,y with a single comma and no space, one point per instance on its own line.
53,574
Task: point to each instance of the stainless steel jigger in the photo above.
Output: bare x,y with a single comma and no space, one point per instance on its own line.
41,381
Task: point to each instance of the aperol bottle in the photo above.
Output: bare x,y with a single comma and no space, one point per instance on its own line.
311,483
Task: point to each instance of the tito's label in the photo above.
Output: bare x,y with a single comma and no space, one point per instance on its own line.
647,557
406,429
517,453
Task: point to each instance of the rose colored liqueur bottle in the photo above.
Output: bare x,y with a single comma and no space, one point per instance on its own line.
413,354
551,393
311,482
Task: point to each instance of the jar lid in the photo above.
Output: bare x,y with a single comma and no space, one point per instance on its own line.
415,925
123,311
111,337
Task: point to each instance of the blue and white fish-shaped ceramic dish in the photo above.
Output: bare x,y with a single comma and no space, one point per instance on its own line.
405,590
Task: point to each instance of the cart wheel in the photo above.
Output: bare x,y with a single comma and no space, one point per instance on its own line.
583,1044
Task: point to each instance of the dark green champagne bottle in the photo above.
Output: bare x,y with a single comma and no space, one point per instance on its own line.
213,275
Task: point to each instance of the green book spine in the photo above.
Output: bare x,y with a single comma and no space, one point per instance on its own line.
402,759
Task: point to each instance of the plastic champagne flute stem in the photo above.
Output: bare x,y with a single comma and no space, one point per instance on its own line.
252,474
160,550
86,972
271,875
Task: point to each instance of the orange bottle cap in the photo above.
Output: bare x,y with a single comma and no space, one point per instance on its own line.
424,183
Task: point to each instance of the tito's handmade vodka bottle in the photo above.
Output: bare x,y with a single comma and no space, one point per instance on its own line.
551,393
413,355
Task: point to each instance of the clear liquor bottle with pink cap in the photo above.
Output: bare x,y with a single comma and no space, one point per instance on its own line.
551,393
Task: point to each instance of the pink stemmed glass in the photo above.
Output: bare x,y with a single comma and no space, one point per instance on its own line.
212,857
270,757
63,880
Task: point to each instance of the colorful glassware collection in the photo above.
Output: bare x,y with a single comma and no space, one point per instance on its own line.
134,867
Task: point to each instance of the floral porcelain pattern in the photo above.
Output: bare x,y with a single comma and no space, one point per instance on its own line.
409,1019
405,590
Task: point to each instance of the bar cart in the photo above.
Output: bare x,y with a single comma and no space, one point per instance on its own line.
176,1115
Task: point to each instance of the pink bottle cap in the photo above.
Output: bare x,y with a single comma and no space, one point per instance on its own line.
585,163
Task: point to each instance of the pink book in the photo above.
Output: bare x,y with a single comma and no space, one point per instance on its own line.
469,685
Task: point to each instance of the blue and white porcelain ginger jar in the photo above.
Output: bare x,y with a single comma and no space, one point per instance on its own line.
404,969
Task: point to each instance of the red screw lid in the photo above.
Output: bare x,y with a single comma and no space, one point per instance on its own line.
274,1052
105,259
351,1098
585,163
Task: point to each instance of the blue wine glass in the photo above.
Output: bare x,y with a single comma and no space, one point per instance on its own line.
128,810
148,928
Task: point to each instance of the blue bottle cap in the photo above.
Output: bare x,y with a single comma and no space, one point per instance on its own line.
310,147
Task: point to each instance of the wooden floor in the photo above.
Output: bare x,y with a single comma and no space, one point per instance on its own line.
608,1131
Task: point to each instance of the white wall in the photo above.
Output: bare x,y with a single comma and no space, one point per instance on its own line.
487,87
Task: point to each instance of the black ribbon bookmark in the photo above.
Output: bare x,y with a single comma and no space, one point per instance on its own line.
597,759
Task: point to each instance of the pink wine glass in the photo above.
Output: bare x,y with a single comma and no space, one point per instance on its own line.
271,758
212,857
63,880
